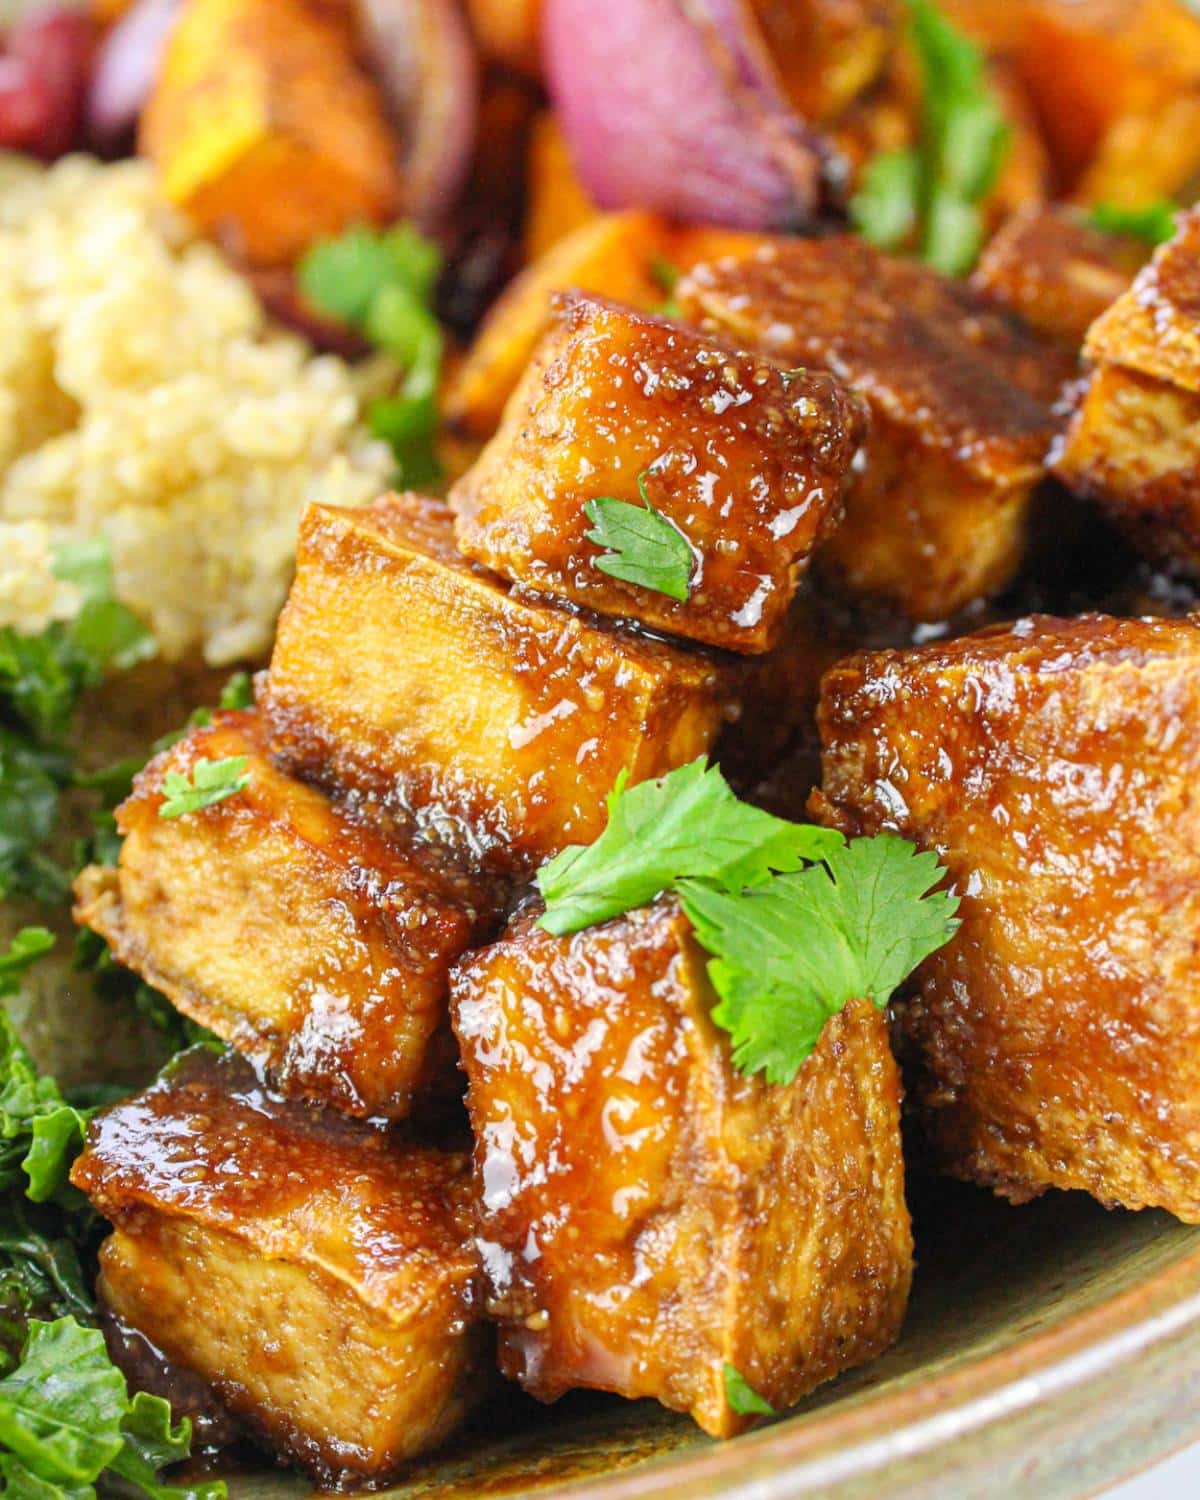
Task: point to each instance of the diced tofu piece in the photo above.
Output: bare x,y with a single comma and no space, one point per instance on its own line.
960,400
650,1215
403,672
316,1271
266,131
827,51
1056,272
612,254
1134,441
1055,1042
747,460
312,943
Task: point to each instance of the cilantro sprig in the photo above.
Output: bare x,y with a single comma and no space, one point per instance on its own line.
742,1396
644,547
798,923
381,283
1154,223
929,196
210,782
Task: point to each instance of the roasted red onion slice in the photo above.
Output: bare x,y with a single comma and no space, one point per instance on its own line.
674,105
424,60
125,71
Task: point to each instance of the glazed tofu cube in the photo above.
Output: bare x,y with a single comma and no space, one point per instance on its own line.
314,944
828,51
1134,441
1057,272
314,1270
1055,1042
648,1214
748,461
502,723
960,402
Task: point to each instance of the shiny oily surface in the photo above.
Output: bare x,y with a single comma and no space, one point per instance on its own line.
1054,1346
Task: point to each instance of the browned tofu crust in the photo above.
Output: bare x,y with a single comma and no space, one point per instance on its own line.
315,1270
1055,1042
501,723
747,460
1057,272
310,941
1134,441
647,1213
961,402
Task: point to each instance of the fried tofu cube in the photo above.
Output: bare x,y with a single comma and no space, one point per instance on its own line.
314,1270
266,131
747,460
1055,1042
403,672
1057,272
612,254
649,1215
313,943
1133,443
960,402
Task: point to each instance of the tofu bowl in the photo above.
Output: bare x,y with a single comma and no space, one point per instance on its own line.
599,722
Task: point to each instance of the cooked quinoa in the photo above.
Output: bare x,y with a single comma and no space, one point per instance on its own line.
145,397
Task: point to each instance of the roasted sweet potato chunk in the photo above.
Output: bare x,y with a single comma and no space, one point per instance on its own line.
1055,1042
1134,441
313,1269
265,129
747,460
960,402
1056,272
612,254
648,1214
827,51
502,723
312,943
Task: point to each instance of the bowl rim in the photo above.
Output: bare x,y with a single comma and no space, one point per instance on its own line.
807,1456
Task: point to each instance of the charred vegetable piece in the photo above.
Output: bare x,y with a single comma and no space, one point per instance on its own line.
715,457
501,722
1058,270
314,1270
612,255
266,130
960,402
1134,441
311,942
649,1215
1055,1041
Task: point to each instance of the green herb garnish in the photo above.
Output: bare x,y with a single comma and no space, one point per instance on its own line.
798,922
930,196
381,283
742,1396
644,547
211,781
1153,222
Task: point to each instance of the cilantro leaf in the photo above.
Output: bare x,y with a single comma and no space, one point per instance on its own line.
688,823
886,207
790,954
238,691
645,548
929,198
381,283
211,781
742,1396
1153,222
